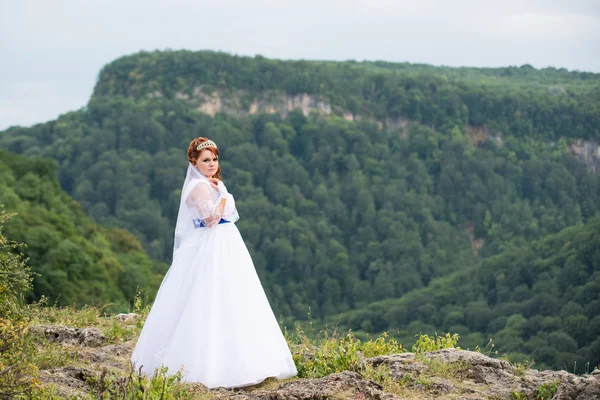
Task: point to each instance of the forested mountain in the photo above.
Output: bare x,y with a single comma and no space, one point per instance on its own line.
393,177
523,102
78,262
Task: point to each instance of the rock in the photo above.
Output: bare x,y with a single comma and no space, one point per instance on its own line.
479,376
588,152
86,337
406,367
341,385
472,358
400,365
109,353
478,367
69,381
439,386
127,318
581,389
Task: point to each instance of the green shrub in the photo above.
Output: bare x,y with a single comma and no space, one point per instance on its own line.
331,353
15,275
18,376
426,343
547,391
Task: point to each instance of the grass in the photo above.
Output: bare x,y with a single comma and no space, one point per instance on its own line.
41,313
47,355
90,316
441,369
163,385
519,368
518,395
488,350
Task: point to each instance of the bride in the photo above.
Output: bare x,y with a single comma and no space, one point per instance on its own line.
211,318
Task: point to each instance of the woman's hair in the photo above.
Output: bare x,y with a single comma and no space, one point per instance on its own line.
193,154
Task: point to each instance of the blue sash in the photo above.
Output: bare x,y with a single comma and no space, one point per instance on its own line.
198,223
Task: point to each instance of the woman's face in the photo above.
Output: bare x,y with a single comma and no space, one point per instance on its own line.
207,163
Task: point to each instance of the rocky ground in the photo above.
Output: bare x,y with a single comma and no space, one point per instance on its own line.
442,374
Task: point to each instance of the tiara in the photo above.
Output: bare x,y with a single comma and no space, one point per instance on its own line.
208,143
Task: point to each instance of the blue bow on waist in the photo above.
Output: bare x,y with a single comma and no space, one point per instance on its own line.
198,223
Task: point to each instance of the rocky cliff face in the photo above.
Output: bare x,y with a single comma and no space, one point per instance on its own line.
442,374
239,103
587,152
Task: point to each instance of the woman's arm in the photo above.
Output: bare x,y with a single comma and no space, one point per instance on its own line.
209,211
229,211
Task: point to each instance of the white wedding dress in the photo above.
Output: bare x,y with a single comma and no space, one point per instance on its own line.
211,318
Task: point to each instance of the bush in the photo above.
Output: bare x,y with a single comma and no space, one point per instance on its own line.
17,375
15,275
331,353
426,343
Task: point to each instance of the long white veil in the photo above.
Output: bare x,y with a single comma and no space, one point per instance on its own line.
186,214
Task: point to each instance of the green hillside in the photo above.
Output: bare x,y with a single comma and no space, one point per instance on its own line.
539,300
77,261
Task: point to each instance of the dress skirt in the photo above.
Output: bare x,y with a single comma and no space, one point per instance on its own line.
211,318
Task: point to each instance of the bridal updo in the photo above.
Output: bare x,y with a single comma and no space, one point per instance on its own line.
193,153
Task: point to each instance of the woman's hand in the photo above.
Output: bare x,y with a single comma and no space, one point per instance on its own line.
214,183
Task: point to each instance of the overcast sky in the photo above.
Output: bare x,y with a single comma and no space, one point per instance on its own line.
52,50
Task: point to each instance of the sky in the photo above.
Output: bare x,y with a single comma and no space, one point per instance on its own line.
52,50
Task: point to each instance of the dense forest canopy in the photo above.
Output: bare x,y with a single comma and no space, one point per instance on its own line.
537,300
348,219
77,261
